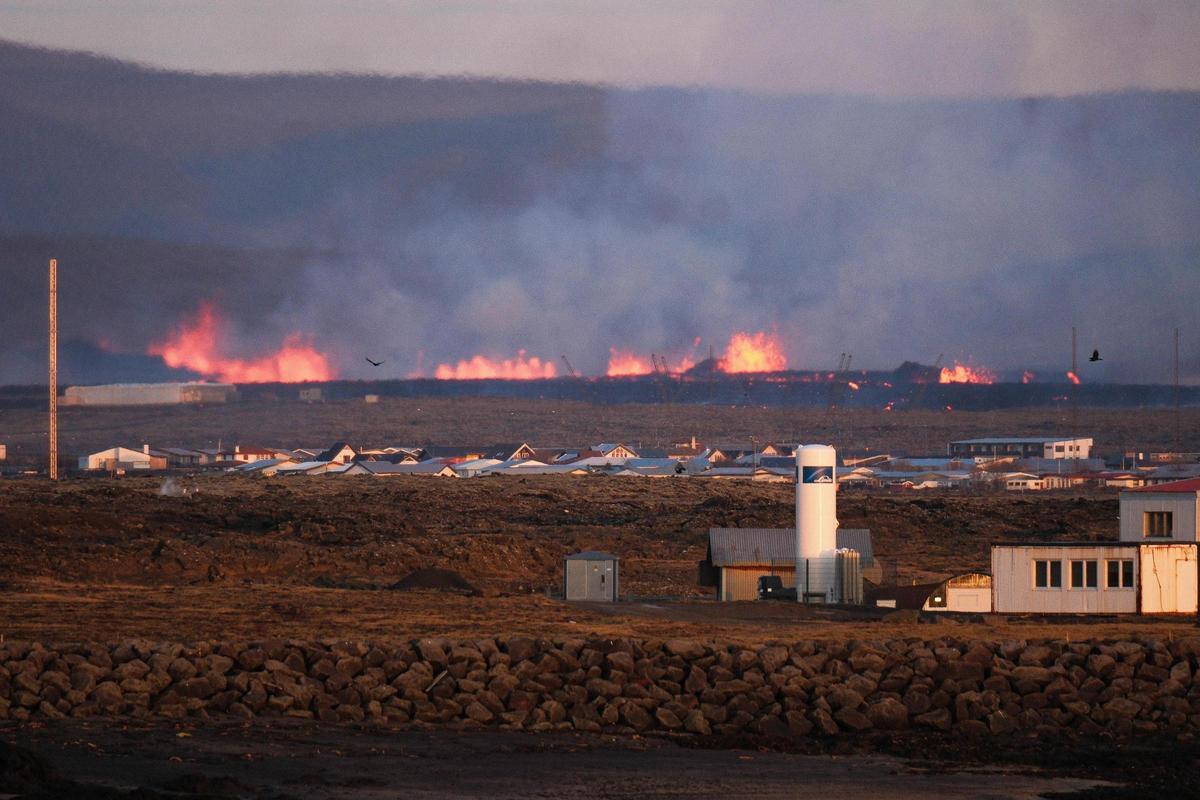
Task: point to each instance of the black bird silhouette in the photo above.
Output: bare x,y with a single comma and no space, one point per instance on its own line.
1095,356
377,363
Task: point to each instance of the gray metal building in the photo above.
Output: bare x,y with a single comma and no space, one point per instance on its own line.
591,576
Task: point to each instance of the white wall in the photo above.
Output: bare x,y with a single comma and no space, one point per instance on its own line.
1182,506
1013,591
1169,576
977,599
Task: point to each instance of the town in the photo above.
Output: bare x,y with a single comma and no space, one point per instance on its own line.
1016,464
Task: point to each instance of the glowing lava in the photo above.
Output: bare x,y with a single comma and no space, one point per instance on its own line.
622,364
1072,377
195,345
520,368
1028,377
758,352
854,386
965,373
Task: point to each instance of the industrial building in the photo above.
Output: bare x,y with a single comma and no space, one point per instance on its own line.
118,459
1049,447
149,394
591,576
738,557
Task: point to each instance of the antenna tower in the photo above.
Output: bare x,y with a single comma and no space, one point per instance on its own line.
53,369
1074,385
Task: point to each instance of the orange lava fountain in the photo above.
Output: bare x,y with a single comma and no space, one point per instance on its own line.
758,352
622,364
479,367
195,346
965,373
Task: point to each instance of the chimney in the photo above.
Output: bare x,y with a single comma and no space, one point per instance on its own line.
146,449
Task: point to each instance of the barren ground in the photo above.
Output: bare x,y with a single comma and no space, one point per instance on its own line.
260,558
480,421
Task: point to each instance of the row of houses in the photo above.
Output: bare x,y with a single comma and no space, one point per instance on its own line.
771,462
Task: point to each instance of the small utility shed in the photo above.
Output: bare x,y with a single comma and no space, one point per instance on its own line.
591,576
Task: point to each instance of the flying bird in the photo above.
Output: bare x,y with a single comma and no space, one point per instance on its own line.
1095,356
377,363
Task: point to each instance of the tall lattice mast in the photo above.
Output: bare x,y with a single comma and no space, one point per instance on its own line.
53,369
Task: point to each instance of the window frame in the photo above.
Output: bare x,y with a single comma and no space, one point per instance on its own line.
1051,564
1123,565
1085,565
1153,530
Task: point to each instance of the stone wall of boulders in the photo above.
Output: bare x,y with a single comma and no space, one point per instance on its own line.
805,688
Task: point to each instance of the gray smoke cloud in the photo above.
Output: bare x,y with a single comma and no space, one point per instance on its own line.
423,222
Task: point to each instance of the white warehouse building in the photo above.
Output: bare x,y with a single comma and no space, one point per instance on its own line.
1152,569
1050,447
149,394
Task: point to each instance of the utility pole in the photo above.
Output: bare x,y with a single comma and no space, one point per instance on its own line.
1178,448
53,369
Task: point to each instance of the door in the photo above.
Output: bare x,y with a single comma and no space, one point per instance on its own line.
600,580
1185,587
577,580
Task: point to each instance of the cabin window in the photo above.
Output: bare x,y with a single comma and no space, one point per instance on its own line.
1084,575
1047,574
1157,524
1119,573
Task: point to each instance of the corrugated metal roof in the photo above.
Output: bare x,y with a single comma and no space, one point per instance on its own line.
734,546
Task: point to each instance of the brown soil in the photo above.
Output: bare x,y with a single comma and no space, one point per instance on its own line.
499,534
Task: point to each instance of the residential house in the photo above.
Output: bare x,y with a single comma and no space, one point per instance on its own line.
339,453
385,469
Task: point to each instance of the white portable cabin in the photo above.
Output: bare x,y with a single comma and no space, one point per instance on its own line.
591,576
1094,578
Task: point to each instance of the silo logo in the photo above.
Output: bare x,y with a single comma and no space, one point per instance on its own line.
818,475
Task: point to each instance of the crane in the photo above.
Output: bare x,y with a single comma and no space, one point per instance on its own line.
570,370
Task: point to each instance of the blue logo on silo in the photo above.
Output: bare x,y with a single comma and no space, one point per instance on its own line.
818,475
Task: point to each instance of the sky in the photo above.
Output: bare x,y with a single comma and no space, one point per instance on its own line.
959,48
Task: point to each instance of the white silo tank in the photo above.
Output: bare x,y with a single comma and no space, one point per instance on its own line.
816,523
